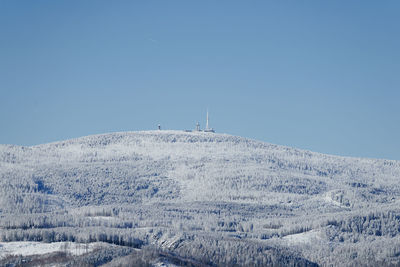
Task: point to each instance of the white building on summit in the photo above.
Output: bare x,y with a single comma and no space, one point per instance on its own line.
207,129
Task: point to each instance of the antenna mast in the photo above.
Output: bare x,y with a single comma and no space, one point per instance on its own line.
207,121
208,129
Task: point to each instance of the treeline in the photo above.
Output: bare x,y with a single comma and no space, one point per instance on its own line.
97,257
185,248
233,252
122,237
386,223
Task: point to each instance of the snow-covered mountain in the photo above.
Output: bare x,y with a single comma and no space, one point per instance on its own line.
191,193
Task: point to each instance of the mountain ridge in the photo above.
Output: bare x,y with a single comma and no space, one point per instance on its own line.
182,132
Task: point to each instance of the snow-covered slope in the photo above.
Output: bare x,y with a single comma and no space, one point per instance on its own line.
199,182
179,166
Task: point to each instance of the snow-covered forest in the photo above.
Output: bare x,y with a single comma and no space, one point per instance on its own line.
197,199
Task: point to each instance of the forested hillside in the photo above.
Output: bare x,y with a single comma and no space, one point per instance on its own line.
199,199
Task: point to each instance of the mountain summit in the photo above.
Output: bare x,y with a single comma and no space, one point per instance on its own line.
181,191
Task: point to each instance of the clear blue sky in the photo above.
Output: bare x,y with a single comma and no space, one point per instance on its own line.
318,75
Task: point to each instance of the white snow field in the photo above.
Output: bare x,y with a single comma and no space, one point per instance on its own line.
25,248
202,198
